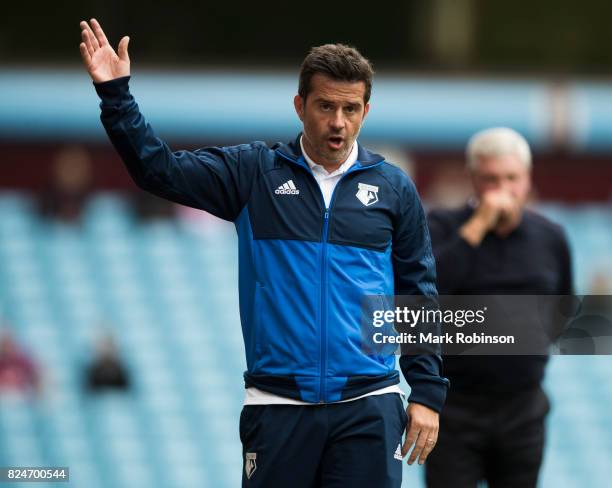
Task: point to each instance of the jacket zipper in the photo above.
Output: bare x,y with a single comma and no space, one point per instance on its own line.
323,312
323,342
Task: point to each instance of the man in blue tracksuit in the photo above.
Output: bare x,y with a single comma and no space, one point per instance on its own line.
322,222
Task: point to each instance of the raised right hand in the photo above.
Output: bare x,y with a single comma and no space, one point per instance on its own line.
100,59
495,207
503,210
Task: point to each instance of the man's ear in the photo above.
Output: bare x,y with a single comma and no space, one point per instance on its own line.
298,103
530,190
366,109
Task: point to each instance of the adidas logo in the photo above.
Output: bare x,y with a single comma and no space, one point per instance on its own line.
398,453
287,188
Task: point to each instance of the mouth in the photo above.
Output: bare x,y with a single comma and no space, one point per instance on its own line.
335,142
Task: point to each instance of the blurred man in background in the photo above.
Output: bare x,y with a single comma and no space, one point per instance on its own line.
69,186
106,371
18,371
492,427
321,222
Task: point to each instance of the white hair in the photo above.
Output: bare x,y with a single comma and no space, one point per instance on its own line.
497,141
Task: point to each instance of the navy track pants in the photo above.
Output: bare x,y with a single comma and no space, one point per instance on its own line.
348,445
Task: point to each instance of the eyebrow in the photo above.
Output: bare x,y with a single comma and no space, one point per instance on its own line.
325,100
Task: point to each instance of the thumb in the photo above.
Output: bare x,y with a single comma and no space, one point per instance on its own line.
122,50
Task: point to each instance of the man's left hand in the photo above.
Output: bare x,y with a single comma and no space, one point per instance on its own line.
422,431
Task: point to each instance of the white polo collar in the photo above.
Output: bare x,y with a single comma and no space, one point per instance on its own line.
350,160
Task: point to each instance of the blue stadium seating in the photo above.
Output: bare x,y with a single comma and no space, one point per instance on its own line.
168,292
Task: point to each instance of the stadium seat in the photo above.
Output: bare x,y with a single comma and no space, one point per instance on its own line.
169,295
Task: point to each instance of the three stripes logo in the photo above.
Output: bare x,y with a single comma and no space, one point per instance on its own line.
287,188
398,453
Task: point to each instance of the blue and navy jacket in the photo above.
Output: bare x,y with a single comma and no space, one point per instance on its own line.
304,268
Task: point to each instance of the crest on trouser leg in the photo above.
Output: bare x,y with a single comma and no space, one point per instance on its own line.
250,464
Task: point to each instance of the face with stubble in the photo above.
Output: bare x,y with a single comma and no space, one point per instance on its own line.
504,174
502,185
332,114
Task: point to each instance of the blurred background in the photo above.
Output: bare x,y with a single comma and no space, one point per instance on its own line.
120,348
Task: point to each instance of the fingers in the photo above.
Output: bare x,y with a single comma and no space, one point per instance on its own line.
430,443
102,40
87,42
424,444
122,50
85,54
418,447
90,35
411,437
422,434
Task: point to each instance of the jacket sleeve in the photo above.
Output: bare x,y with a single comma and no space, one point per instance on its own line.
453,254
415,274
217,180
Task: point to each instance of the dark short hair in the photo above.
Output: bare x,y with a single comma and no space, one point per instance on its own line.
338,62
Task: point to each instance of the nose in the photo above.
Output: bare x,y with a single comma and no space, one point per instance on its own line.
506,185
337,121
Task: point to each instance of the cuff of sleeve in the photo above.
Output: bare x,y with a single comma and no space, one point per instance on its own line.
431,393
113,91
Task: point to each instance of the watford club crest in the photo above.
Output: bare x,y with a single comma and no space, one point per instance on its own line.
249,464
367,194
